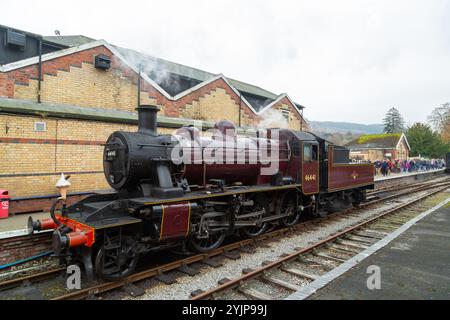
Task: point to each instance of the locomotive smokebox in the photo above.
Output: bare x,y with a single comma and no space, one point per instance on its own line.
148,120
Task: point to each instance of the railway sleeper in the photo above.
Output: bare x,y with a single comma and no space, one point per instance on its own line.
133,290
280,282
254,294
361,239
369,234
340,251
329,257
300,273
343,248
381,234
351,244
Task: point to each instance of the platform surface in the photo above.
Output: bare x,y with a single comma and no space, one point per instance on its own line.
407,174
416,265
16,225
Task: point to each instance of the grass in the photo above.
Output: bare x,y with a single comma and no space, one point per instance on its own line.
368,137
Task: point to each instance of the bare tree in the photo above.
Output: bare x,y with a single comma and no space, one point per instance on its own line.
440,120
440,116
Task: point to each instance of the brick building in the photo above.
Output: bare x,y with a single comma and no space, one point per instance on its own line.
374,147
57,109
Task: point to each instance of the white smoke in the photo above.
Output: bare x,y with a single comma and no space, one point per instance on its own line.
152,67
273,118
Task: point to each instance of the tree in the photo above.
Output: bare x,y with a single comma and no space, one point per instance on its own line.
440,119
426,142
393,121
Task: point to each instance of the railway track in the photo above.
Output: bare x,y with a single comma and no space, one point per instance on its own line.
278,279
214,258
378,192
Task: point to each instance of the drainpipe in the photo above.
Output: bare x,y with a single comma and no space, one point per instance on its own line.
240,107
139,88
301,122
39,71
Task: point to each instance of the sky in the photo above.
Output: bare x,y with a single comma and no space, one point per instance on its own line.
347,60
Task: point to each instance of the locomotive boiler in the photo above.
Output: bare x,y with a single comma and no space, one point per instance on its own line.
191,191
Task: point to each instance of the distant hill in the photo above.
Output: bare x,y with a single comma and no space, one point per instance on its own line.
341,133
344,127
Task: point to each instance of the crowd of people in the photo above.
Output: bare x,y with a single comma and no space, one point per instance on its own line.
388,166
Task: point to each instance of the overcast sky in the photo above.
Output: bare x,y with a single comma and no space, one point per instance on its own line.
344,60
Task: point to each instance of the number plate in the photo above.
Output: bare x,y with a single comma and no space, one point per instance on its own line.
111,155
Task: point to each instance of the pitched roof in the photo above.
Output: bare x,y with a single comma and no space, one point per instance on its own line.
174,77
377,141
187,85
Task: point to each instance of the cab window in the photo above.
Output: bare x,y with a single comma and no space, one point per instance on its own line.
315,152
307,152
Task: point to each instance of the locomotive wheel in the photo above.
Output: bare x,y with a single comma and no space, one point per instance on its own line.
288,206
117,258
259,204
207,244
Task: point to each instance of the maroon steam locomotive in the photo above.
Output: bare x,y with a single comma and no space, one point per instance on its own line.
168,194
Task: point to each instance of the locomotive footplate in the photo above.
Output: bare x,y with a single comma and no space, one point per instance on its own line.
115,222
196,195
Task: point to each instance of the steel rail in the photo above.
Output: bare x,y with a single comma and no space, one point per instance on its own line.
32,278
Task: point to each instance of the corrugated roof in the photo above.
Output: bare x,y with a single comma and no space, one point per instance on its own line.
370,141
69,41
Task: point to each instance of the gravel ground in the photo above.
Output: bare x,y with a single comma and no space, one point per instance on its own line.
28,268
209,276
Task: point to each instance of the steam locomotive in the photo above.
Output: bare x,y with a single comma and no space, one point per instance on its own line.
168,194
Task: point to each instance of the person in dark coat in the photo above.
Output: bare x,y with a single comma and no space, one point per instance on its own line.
384,168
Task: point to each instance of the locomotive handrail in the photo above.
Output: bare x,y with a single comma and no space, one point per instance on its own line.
52,211
155,145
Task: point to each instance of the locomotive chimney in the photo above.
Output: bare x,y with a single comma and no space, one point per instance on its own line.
147,119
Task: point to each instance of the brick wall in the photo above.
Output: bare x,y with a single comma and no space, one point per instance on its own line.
13,249
216,105
295,121
32,161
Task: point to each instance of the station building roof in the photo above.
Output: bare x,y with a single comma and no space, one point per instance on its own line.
176,78
377,141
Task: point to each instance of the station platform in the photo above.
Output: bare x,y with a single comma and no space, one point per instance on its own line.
17,225
414,263
401,175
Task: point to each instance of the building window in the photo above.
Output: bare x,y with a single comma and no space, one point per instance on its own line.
40,126
285,114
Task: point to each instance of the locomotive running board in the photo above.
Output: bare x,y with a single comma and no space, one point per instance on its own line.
238,223
197,195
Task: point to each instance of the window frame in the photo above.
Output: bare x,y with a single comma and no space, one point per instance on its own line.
309,145
36,123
